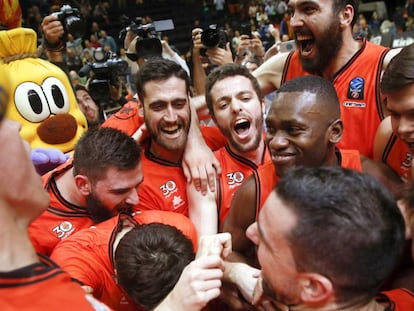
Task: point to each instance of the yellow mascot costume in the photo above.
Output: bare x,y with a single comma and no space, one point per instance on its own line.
42,99
41,96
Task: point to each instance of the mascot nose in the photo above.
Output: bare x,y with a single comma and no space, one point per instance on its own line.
58,129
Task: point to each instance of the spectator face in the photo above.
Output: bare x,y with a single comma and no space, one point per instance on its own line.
401,106
114,193
318,33
88,106
167,114
20,185
238,112
297,131
279,273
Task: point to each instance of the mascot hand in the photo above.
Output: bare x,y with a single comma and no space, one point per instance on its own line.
46,159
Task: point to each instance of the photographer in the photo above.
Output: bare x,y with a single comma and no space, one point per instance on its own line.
142,42
104,80
105,88
249,47
216,56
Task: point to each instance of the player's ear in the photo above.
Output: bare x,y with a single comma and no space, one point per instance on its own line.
335,131
315,289
83,184
346,15
140,109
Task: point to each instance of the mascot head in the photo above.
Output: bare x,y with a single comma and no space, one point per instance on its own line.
41,96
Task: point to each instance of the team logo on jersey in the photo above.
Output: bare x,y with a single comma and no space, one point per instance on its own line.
168,188
63,230
177,201
234,178
356,88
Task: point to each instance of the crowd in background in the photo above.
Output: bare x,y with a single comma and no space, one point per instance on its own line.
268,19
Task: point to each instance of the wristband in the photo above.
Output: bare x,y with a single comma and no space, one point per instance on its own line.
53,47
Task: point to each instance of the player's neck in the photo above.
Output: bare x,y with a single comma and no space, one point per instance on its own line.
16,250
257,155
348,49
174,156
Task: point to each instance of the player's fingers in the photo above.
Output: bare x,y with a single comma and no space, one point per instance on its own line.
211,177
186,172
195,178
203,180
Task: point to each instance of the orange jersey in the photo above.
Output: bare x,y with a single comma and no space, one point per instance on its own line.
400,299
88,255
60,220
128,120
266,177
235,169
41,286
357,86
163,187
397,156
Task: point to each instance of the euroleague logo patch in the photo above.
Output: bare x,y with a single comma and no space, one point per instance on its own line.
356,88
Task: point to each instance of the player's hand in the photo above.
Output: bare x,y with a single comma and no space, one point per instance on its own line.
244,277
199,283
215,244
201,167
230,296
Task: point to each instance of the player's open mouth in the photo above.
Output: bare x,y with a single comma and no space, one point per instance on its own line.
171,129
306,43
241,126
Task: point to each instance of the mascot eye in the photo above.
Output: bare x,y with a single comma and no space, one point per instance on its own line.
31,102
56,95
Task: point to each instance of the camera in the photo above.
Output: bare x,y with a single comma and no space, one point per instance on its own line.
104,84
71,21
214,36
148,45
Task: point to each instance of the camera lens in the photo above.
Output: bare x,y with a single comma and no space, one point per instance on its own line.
210,38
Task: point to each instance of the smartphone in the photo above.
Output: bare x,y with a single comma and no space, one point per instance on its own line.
287,46
246,29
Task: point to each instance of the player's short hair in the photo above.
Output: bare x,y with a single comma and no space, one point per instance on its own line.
399,72
149,260
223,72
348,228
103,148
159,69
